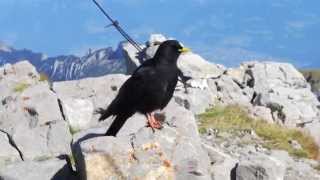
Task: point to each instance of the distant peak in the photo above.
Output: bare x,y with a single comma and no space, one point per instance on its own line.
4,47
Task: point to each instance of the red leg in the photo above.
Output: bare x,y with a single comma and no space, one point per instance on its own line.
153,122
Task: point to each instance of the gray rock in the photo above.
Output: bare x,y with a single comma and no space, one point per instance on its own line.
7,152
131,126
51,169
197,101
77,112
222,164
229,92
295,144
96,91
43,141
59,138
261,112
146,154
313,129
43,101
31,115
260,166
282,85
15,78
282,156
35,106
301,170
237,74
34,120
196,67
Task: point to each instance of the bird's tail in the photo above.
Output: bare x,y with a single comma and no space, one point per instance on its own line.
104,113
117,123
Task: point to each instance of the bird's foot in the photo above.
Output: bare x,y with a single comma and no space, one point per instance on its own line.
153,122
99,111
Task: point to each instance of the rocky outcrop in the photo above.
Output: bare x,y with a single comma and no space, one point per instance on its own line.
145,154
137,152
31,124
46,169
39,122
273,91
30,113
250,161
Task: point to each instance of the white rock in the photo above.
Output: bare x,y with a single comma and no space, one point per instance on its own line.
260,167
196,67
78,112
7,152
42,170
144,153
156,39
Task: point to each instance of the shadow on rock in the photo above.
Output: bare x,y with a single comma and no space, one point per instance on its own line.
233,173
65,173
78,156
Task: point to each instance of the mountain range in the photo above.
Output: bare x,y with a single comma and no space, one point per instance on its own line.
69,67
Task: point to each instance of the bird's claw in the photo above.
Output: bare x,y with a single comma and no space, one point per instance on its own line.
154,123
99,111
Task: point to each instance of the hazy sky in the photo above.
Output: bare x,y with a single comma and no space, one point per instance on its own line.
224,31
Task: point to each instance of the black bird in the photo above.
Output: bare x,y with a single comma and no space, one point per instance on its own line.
150,88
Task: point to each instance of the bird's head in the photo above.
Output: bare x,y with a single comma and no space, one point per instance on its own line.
170,50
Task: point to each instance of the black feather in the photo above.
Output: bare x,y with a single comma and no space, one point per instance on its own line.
150,87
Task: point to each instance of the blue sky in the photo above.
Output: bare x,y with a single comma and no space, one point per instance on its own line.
223,31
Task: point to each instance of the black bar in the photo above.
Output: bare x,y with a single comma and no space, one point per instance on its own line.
121,31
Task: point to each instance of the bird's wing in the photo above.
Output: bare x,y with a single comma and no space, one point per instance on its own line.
147,67
134,88
169,92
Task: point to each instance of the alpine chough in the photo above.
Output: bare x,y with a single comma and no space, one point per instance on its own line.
150,88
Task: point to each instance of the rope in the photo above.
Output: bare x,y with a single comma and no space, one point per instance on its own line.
120,30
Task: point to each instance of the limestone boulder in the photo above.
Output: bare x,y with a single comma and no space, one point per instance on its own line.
145,154
30,114
47,169
79,99
280,87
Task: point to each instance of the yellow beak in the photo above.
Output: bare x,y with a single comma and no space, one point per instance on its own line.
184,50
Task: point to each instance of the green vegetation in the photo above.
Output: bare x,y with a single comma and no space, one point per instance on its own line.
314,72
73,130
20,87
232,118
43,77
72,160
313,76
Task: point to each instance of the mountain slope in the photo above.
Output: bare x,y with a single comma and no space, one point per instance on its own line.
68,67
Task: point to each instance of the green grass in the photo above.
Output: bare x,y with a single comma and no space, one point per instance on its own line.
232,118
20,87
43,77
315,74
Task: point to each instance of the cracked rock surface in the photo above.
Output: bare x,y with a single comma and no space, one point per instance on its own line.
173,152
31,125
